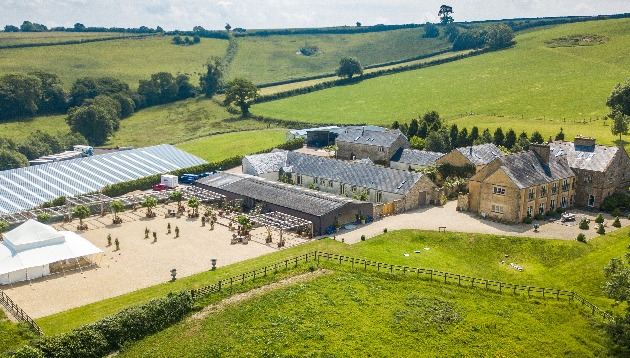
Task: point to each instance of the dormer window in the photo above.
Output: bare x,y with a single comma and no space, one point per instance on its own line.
381,149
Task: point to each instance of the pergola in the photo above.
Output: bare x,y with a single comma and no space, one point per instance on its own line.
201,194
14,218
54,212
88,200
281,222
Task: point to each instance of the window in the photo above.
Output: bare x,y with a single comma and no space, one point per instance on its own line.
379,196
543,191
541,208
554,188
530,211
563,202
298,180
330,183
381,149
315,180
531,194
552,204
573,184
497,209
342,189
565,185
571,200
354,189
498,190
591,200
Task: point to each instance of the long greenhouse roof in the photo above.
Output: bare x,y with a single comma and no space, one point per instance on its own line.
25,188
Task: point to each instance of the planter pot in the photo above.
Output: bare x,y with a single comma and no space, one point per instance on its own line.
336,229
362,221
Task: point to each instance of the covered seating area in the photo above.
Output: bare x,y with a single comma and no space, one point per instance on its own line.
33,250
282,223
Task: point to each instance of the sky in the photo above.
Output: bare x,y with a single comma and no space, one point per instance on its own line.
259,14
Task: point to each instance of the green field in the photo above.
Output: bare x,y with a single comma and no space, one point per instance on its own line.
18,38
530,80
13,335
276,58
217,148
350,313
128,60
547,263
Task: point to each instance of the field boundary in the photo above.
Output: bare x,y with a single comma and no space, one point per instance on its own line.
77,42
17,312
434,275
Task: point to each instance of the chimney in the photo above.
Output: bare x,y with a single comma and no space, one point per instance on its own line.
363,130
543,151
584,141
471,151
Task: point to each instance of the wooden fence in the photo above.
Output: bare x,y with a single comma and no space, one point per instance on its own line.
430,274
17,312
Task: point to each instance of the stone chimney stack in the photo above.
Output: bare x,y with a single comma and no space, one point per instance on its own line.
543,151
363,130
584,141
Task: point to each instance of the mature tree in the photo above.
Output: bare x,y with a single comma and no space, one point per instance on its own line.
423,131
454,136
149,203
159,29
198,29
177,196
19,95
196,39
619,99
185,89
53,98
498,137
474,135
10,159
451,31
228,27
471,39
510,139
11,28
127,105
177,40
522,143
430,30
79,27
559,136
620,123
28,26
617,287
161,88
331,150
432,119
395,125
437,141
445,14
462,138
484,138
193,203
87,87
349,67
117,206
241,92
413,128
358,24
537,138
417,143
81,212
96,120
499,35
212,81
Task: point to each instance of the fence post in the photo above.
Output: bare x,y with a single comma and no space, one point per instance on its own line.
514,289
254,279
340,258
486,285
543,292
378,266
473,283
192,294
296,262
431,273
243,282
558,295
265,271
459,280
317,257
230,283
500,286
391,268
219,285
286,264
365,265
444,273
353,263
528,288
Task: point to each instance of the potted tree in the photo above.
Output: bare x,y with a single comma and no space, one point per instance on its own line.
109,239
194,204
176,231
211,224
178,197
117,207
337,226
43,217
146,232
362,219
117,243
149,203
3,226
154,236
81,212
168,228
203,220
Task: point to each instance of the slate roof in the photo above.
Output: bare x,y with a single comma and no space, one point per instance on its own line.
285,195
481,154
361,175
416,157
596,158
370,137
526,169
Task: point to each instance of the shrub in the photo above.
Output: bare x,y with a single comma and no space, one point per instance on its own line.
539,216
81,342
616,212
43,217
527,220
601,229
616,223
584,225
581,237
60,201
599,219
550,213
614,201
362,237
28,352
560,210
385,231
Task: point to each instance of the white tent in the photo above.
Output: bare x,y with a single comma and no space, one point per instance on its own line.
28,250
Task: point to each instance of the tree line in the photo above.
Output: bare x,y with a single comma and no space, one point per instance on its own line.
428,132
17,154
28,26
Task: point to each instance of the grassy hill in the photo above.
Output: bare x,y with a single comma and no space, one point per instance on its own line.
348,313
276,57
128,60
532,80
21,38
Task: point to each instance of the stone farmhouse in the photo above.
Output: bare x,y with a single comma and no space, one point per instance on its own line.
601,170
377,145
514,186
412,159
407,190
476,155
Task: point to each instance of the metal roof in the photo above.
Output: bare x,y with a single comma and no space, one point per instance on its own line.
25,188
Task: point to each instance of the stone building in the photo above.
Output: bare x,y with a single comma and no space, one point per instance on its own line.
514,186
601,170
377,145
412,159
476,155
382,185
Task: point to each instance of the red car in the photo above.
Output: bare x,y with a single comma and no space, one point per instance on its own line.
160,186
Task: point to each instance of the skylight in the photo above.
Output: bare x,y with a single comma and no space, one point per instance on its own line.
590,156
559,152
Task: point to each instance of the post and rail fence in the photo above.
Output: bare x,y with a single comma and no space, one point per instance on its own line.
430,274
18,313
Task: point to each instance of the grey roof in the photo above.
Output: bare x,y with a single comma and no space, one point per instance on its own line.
481,154
303,132
595,158
285,195
361,175
526,169
24,188
416,157
370,137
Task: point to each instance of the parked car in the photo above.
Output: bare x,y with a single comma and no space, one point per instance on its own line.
188,178
159,187
205,174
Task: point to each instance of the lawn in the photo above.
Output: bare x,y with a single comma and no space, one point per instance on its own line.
530,80
353,313
18,38
219,147
128,60
13,335
547,263
276,57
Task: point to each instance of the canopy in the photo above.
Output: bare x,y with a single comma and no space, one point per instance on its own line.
33,245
